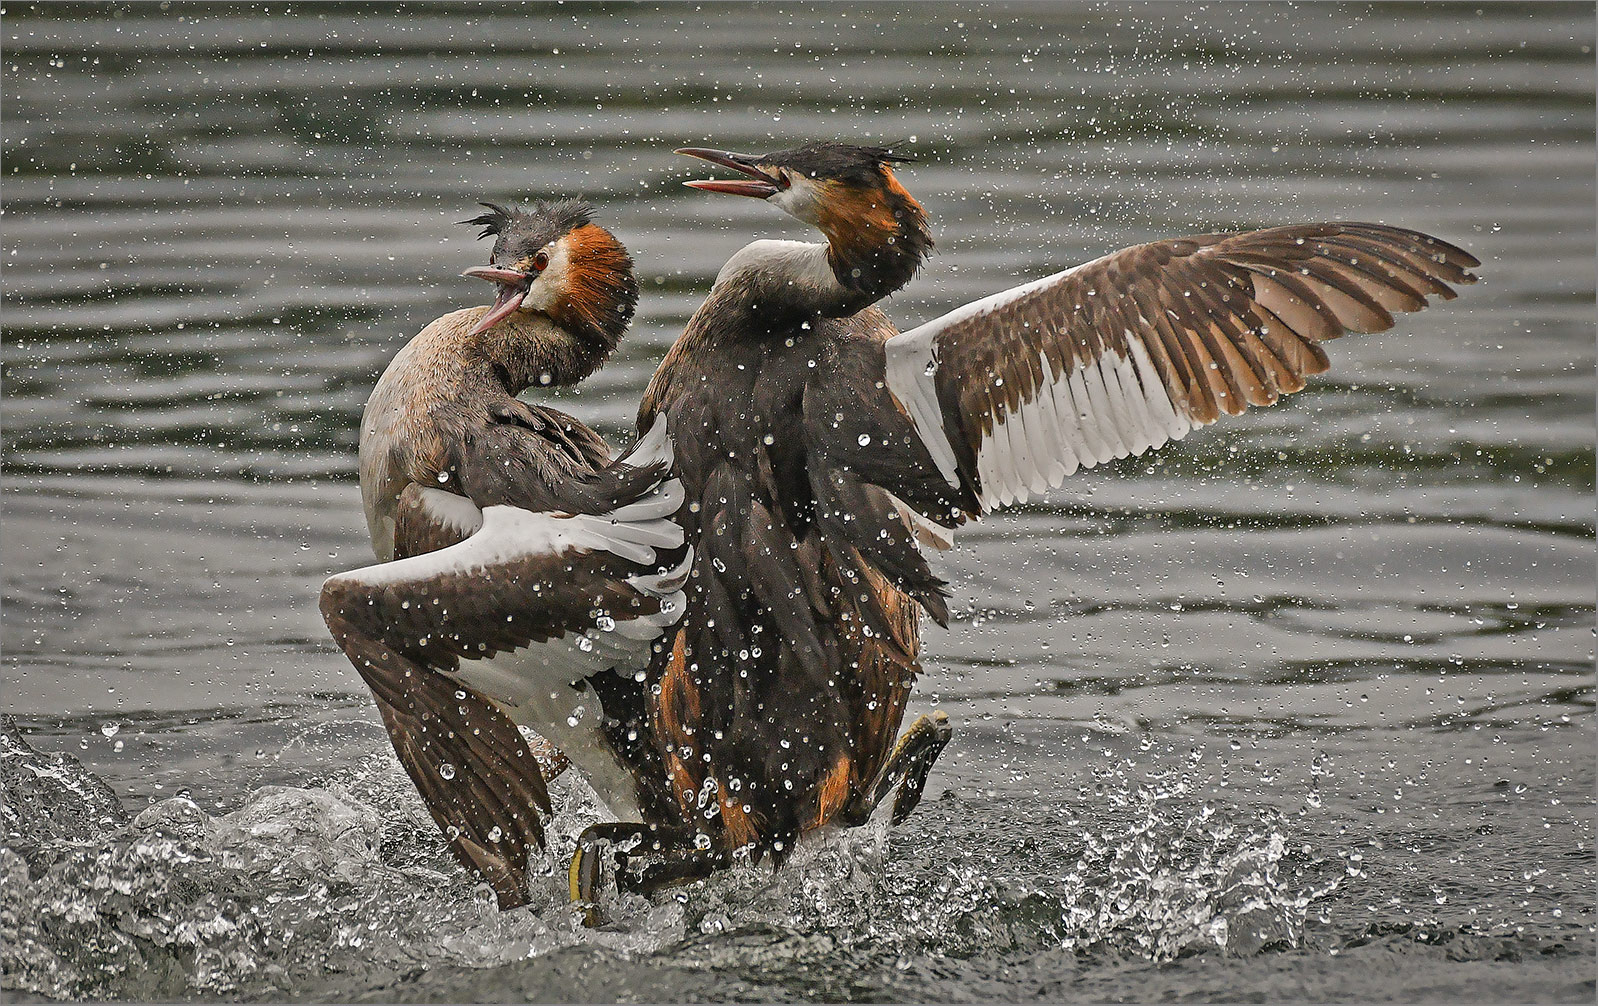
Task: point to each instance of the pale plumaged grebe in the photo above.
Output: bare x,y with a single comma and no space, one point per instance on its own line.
523,575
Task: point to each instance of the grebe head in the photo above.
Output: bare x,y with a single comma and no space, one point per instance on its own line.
876,231
550,258
813,182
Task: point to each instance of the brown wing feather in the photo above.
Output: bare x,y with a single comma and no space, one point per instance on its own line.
408,625
1147,342
420,528
485,807
475,772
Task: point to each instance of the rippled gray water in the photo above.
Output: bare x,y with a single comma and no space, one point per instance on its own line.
1300,708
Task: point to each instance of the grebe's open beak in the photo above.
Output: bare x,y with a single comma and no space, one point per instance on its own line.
513,287
762,186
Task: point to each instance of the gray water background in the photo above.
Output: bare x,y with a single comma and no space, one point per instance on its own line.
1355,629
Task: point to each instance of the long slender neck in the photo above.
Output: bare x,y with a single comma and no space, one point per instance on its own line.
865,259
876,239
529,350
772,282
435,390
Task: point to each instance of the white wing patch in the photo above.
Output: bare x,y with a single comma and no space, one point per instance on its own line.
508,533
654,447
452,510
539,685
519,677
912,363
1107,409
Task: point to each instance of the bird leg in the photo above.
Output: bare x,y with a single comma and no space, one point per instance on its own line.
907,768
915,753
683,860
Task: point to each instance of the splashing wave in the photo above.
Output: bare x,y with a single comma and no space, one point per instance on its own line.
302,887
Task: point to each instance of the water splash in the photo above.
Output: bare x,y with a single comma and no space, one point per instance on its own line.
294,888
346,884
1171,880
49,796
1156,873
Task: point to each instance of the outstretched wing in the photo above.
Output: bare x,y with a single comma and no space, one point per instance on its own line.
1012,393
451,639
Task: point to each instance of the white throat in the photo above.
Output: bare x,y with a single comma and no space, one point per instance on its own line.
801,199
770,265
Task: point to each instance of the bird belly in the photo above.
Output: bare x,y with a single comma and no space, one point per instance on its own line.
535,694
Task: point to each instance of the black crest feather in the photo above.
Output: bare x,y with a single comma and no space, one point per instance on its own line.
558,216
496,221
846,162
522,230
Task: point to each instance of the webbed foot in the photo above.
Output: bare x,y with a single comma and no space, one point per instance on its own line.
681,853
907,769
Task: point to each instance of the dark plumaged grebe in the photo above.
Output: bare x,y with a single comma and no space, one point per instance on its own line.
818,449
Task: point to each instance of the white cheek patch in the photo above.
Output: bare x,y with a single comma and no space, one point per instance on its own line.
550,285
802,199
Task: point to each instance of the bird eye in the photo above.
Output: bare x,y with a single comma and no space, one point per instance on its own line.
540,261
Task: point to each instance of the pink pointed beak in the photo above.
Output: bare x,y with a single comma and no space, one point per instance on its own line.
513,288
763,185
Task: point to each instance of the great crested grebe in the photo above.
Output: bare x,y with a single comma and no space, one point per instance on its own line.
817,447
522,573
